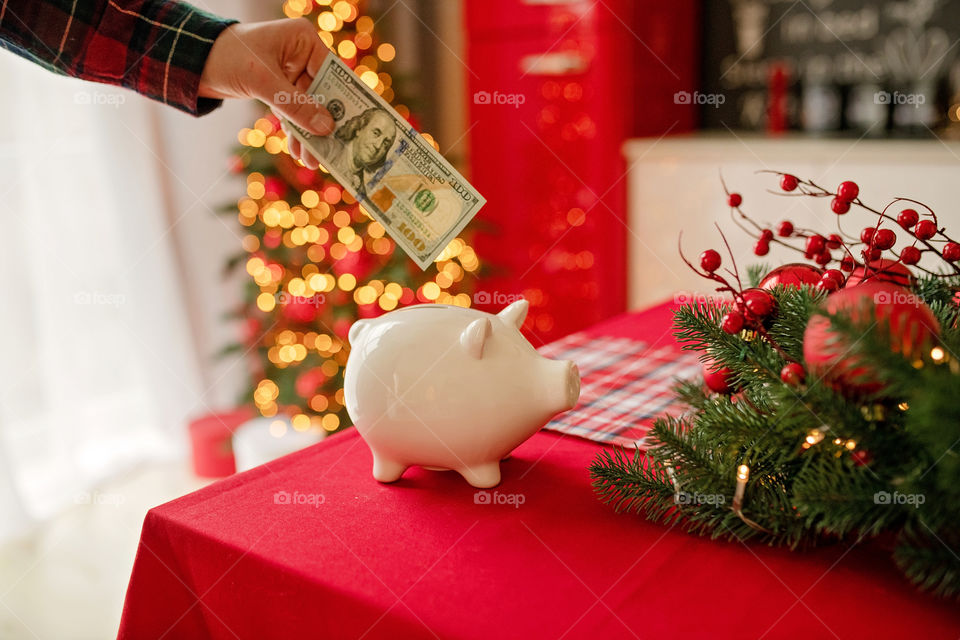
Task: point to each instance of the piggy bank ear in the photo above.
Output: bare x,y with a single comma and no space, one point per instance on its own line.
356,330
516,313
475,336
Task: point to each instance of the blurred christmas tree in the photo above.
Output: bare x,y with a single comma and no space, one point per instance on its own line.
315,258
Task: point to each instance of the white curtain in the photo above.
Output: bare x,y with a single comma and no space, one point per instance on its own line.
97,368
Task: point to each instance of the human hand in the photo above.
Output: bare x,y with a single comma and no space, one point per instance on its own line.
274,62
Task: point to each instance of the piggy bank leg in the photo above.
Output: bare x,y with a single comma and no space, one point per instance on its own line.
385,470
482,476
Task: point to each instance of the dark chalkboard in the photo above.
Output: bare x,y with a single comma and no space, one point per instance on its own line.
883,67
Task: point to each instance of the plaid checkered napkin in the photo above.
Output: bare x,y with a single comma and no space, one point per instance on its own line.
625,384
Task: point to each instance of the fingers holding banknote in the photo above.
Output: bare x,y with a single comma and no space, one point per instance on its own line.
274,62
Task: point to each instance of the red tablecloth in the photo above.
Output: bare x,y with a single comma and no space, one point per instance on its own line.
312,546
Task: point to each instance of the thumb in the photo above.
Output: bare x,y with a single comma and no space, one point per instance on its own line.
302,109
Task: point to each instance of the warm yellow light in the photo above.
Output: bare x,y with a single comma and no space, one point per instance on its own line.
370,78
388,302
323,342
256,190
431,291
365,295
743,472
329,368
300,422
278,428
851,445
364,24
256,138
346,49
331,421
327,21
903,406
386,52
346,235
815,436
937,354
266,302
347,282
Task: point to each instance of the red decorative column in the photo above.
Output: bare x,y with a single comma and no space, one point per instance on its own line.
555,89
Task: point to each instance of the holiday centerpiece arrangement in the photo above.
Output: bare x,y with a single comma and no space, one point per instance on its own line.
830,405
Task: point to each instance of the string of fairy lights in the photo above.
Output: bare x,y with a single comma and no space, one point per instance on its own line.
328,226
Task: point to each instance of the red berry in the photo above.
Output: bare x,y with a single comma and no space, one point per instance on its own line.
835,274
834,241
873,254
828,284
840,206
793,374
709,260
734,199
758,302
951,252
884,239
788,182
910,255
925,229
718,380
867,235
908,218
762,248
823,258
732,322
785,230
816,244
848,191
766,235
848,264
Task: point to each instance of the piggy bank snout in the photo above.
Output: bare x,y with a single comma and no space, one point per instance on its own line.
567,384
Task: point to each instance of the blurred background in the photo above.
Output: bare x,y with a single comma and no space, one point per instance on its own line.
178,290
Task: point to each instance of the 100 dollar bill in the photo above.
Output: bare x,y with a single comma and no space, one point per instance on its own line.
405,184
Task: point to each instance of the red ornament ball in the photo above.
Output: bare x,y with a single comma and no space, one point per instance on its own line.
861,457
908,218
848,190
717,379
911,324
835,274
910,255
884,239
793,374
301,309
785,230
794,274
925,229
734,199
759,302
951,252
828,284
788,182
309,382
710,261
839,206
882,270
732,322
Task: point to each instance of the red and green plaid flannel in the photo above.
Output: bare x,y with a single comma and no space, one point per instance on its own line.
155,47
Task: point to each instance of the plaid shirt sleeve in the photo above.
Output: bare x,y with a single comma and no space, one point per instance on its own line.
155,47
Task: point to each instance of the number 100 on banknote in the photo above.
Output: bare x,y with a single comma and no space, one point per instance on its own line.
405,184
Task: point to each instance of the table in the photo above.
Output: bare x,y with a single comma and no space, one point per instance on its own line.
311,546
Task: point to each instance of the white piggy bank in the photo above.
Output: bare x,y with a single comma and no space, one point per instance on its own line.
445,387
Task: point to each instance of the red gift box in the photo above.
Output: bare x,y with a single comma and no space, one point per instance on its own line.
211,441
